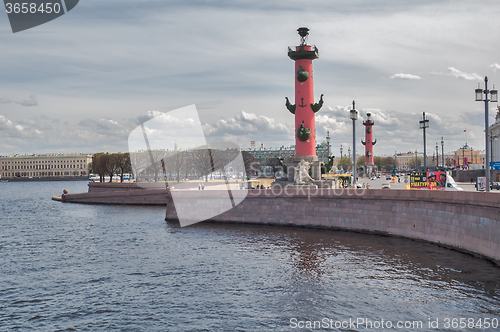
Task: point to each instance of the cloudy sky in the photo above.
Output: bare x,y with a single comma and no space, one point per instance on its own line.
85,81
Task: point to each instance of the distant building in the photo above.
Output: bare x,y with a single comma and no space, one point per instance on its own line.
285,152
45,166
467,157
406,161
494,133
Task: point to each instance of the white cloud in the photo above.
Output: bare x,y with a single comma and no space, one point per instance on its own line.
104,126
148,116
245,123
462,75
382,118
495,67
31,101
5,123
433,117
402,76
246,126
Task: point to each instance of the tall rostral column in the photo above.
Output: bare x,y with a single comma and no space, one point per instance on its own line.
304,108
369,142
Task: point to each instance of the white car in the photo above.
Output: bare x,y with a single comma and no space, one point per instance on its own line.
386,185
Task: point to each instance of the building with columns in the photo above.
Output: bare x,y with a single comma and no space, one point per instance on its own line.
469,157
45,166
494,133
285,152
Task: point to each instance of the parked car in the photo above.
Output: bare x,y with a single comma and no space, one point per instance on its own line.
386,185
495,185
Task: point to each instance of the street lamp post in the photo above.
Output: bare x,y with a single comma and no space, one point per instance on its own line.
437,157
341,166
395,163
349,158
479,97
354,116
442,152
463,157
416,160
327,144
424,123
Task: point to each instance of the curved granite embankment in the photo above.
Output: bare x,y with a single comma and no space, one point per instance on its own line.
468,221
119,194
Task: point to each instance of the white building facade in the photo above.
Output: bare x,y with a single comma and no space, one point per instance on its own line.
45,166
494,133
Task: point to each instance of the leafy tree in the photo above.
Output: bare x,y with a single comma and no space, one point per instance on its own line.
139,162
105,164
110,165
175,162
384,163
99,165
361,161
274,163
328,166
207,161
343,164
413,164
188,168
251,164
123,164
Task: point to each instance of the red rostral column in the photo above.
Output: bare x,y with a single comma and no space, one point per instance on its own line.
368,143
304,108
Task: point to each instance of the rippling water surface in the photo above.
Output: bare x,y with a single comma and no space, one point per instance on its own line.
70,267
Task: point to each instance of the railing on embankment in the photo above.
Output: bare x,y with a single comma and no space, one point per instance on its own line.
468,221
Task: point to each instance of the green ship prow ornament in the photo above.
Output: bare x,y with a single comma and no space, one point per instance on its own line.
303,133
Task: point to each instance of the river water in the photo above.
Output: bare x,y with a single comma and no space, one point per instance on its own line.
71,267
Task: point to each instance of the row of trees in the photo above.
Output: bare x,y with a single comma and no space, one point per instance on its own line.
162,164
182,164
111,164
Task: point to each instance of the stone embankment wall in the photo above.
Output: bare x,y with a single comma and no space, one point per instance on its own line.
466,176
121,194
468,221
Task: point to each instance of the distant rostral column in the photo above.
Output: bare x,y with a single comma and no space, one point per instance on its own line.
304,108
369,142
